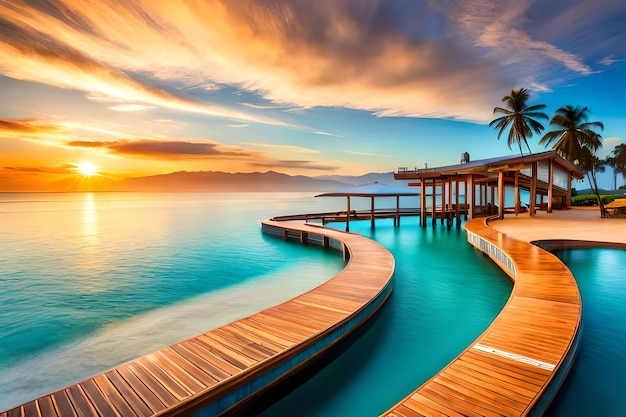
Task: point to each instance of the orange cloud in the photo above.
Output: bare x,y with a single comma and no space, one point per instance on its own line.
28,127
450,59
167,149
298,164
43,46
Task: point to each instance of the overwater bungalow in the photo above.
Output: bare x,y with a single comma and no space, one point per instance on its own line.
546,176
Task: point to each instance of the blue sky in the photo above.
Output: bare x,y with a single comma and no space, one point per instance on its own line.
301,87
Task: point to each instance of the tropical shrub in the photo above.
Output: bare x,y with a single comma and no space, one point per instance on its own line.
592,200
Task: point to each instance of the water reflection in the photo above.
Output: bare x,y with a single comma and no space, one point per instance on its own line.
90,221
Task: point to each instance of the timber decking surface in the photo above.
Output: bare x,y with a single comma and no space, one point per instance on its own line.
201,369
505,371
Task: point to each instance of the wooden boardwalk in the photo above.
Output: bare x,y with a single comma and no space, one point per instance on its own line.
518,358
227,366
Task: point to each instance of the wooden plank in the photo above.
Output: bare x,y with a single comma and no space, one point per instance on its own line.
168,364
46,407
199,347
258,337
16,412
201,362
164,395
115,380
113,396
172,385
63,404
30,409
79,400
139,387
404,411
456,402
100,403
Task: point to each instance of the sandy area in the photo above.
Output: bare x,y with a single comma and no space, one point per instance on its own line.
574,223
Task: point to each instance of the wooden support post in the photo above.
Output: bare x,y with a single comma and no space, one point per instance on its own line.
472,201
304,237
397,219
348,216
533,189
550,184
423,202
443,201
372,214
516,187
480,198
493,191
434,208
501,195
326,241
457,202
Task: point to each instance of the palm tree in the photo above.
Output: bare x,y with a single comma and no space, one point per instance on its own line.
574,134
519,118
577,142
612,162
619,162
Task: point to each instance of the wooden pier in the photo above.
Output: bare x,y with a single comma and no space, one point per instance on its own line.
446,215
513,369
225,368
516,366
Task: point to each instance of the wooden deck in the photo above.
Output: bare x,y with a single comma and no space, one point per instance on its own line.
229,365
517,359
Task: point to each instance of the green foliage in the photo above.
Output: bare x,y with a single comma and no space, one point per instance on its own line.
592,200
519,118
622,187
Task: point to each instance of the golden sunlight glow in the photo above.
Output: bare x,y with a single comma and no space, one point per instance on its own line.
87,169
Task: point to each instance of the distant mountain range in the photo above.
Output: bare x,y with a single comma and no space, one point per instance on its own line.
211,181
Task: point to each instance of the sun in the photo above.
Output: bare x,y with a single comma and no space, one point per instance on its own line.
87,169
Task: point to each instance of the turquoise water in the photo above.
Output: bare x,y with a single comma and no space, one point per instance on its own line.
595,385
446,293
89,281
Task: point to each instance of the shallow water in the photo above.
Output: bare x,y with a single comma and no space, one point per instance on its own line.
595,385
90,281
93,280
446,293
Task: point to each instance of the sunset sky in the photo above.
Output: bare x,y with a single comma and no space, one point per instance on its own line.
300,87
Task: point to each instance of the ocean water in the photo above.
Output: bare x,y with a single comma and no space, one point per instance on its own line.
446,293
89,281
595,385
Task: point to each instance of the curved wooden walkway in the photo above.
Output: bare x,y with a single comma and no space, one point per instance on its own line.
224,367
517,359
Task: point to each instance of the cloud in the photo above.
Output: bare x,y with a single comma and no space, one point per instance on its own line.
611,59
608,144
310,165
291,148
64,169
366,154
156,149
28,127
442,59
64,46
131,107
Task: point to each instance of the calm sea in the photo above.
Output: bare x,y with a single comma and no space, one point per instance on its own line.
595,385
92,280
89,281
